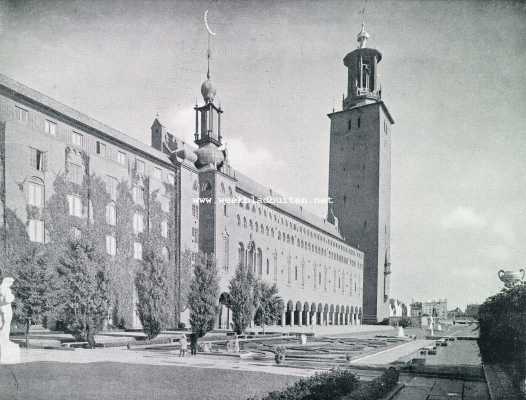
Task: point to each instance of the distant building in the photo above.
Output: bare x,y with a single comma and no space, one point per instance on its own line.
454,314
416,309
435,308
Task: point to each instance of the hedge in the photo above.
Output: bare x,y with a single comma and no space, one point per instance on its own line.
502,322
338,384
375,389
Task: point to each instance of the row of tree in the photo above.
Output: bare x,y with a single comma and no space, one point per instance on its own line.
71,283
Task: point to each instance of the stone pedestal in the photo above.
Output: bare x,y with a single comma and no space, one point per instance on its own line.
9,353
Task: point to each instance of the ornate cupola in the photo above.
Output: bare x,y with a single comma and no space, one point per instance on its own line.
362,65
208,125
208,116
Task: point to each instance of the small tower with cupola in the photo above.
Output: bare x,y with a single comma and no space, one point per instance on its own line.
360,173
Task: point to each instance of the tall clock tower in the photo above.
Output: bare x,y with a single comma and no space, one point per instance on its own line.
360,174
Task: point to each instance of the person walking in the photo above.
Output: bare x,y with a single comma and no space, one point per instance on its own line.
184,346
193,344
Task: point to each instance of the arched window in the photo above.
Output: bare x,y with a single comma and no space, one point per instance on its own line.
251,225
165,253
268,267
272,232
295,272
288,269
257,226
194,186
222,187
35,192
225,211
275,266
226,260
244,222
266,230
238,220
241,255
260,262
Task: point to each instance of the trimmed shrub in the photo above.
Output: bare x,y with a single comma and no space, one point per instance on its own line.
325,386
375,389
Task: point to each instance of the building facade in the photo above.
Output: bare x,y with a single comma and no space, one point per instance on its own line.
435,308
65,174
360,174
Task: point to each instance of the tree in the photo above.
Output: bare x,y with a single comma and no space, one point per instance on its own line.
242,295
153,292
34,287
84,288
203,295
269,304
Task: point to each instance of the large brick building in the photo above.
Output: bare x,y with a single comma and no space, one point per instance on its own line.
197,201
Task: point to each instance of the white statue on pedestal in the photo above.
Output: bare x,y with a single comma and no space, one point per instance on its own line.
9,351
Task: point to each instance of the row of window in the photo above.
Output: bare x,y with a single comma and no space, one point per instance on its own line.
289,239
296,227
252,259
77,139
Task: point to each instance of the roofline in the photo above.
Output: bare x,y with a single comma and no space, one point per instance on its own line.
391,119
276,207
82,120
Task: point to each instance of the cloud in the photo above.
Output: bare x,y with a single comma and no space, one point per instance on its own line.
251,159
181,123
463,218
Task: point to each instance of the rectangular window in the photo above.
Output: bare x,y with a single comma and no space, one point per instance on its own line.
164,228
35,194
50,127
37,159
35,230
138,223
139,165
74,206
77,139
158,173
137,251
111,248
170,178
111,214
101,149
75,173
165,203
121,158
138,195
111,186
76,233
21,114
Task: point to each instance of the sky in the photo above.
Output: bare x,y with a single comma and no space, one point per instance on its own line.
453,76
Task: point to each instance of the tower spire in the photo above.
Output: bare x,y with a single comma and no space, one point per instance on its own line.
208,55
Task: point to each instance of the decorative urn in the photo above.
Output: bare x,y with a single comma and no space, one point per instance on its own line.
511,278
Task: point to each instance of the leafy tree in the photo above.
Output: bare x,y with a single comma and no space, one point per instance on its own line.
269,304
84,288
203,295
243,296
152,285
34,287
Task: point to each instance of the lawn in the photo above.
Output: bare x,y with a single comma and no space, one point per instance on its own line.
106,380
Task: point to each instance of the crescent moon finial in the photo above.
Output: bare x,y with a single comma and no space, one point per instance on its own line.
205,17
